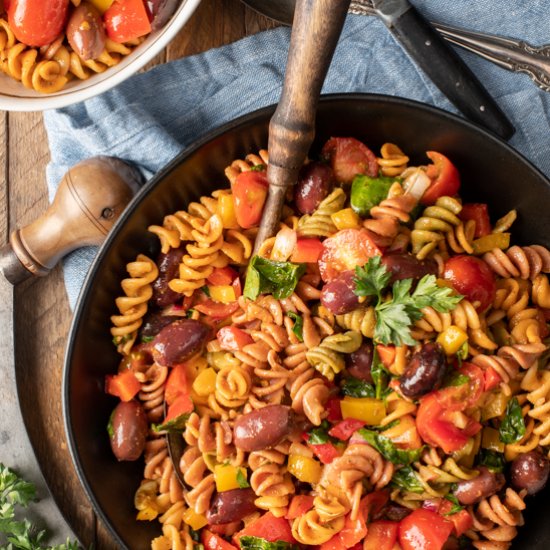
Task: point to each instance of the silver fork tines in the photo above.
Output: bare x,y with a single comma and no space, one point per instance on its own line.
509,53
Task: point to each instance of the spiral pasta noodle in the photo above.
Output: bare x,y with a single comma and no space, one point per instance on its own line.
320,224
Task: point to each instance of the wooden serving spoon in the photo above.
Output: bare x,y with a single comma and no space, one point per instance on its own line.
315,31
90,198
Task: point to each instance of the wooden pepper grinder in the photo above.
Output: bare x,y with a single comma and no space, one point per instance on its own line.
89,200
315,31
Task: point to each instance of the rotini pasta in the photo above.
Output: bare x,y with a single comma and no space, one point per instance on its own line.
321,402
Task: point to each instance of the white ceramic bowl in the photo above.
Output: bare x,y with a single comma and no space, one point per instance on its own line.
15,97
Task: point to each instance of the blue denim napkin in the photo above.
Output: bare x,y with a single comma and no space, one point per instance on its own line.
152,116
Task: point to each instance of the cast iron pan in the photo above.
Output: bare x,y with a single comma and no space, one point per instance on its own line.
491,172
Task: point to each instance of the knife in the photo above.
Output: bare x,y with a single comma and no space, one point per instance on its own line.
443,65
89,199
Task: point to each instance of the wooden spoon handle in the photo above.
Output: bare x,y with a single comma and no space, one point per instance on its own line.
315,31
89,200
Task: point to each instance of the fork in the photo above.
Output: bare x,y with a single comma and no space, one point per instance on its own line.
511,54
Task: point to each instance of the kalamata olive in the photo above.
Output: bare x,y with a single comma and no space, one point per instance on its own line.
315,182
424,372
263,428
86,32
338,295
405,266
475,490
230,506
128,428
168,265
359,363
178,341
160,11
530,471
154,322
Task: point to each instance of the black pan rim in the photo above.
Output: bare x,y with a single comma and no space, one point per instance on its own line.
84,296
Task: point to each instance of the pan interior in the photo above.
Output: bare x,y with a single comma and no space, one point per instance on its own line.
490,170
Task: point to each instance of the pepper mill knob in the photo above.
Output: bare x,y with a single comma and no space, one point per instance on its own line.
88,201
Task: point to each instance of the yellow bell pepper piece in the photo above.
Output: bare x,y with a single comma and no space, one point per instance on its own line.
304,468
205,383
489,242
225,477
452,339
195,521
346,219
495,406
147,514
226,211
222,293
102,5
369,410
490,439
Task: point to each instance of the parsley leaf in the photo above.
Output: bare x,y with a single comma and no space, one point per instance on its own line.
270,277
456,505
372,278
353,387
393,324
241,479
512,427
385,446
406,478
256,543
298,327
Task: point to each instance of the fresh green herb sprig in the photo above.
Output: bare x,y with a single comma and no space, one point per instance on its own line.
493,460
406,478
512,427
319,435
456,505
241,480
256,543
175,425
395,316
298,328
17,534
385,446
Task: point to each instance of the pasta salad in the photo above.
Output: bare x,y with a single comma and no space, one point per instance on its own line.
373,378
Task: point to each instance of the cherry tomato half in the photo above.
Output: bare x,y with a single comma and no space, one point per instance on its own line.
473,278
37,22
126,20
445,178
349,157
250,193
346,250
463,396
478,212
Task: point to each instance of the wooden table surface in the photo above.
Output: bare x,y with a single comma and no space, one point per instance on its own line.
42,315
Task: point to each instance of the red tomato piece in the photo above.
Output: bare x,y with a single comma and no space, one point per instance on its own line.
436,430
386,354
346,250
269,528
133,361
222,276
464,396
332,406
233,338
480,214
299,505
250,193
325,452
176,384
216,309
307,251
424,530
214,542
236,284
381,535
492,379
37,22
473,278
126,20
345,428
372,504
224,529
445,178
124,385
349,157
182,405
462,520
353,532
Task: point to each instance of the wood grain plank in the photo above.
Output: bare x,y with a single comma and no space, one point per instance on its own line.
4,159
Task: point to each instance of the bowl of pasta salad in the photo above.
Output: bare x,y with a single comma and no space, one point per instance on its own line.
54,53
375,377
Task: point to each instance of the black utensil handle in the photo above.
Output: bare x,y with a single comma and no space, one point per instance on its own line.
446,69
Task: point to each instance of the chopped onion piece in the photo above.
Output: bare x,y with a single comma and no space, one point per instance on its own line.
416,183
284,244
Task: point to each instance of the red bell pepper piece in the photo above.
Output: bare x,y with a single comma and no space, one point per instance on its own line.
381,535
480,214
345,428
332,406
124,385
216,310
386,354
214,542
462,520
326,452
307,251
222,276
424,530
445,178
176,384
491,379
126,20
233,338
299,505
353,532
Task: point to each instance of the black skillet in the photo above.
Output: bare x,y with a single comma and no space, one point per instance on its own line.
491,172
